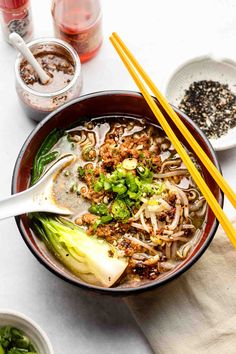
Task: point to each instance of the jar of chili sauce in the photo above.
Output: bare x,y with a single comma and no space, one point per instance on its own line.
79,22
16,17
62,64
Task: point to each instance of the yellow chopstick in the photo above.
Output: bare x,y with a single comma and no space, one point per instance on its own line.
215,207
224,186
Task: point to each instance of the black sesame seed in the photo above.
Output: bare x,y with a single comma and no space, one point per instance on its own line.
212,106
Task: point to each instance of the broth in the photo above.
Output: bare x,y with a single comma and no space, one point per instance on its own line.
128,186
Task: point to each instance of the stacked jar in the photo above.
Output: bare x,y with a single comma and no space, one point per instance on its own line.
16,17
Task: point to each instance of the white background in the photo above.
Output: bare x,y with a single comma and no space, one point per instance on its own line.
162,34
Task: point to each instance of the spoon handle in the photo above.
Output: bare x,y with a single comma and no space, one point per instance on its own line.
19,44
30,200
17,204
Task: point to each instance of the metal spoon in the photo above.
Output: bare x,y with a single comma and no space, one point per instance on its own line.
37,198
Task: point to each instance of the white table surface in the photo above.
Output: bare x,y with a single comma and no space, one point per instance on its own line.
162,34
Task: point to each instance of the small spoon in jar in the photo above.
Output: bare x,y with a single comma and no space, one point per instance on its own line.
38,197
18,42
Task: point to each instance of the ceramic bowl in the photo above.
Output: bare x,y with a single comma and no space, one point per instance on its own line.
37,336
204,68
112,104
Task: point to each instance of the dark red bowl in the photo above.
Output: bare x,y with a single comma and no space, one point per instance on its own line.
107,103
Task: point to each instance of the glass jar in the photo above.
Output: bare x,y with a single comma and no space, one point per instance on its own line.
39,103
79,22
16,17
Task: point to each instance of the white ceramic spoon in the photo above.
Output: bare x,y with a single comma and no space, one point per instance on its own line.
37,198
18,42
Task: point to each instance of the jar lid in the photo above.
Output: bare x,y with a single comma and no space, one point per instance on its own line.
12,4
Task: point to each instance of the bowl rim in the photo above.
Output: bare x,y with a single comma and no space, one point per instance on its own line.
114,291
31,324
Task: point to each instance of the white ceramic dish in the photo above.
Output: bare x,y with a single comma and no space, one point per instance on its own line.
204,68
30,328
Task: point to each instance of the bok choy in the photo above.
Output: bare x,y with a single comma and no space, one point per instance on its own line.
94,260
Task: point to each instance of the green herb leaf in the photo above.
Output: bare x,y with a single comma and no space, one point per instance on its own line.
107,186
120,188
98,186
44,149
106,218
120,210
81,171
131,183
99,209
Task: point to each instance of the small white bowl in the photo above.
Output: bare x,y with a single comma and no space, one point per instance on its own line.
36,335
204,68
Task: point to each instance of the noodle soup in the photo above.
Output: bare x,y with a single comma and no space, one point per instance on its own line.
129,189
